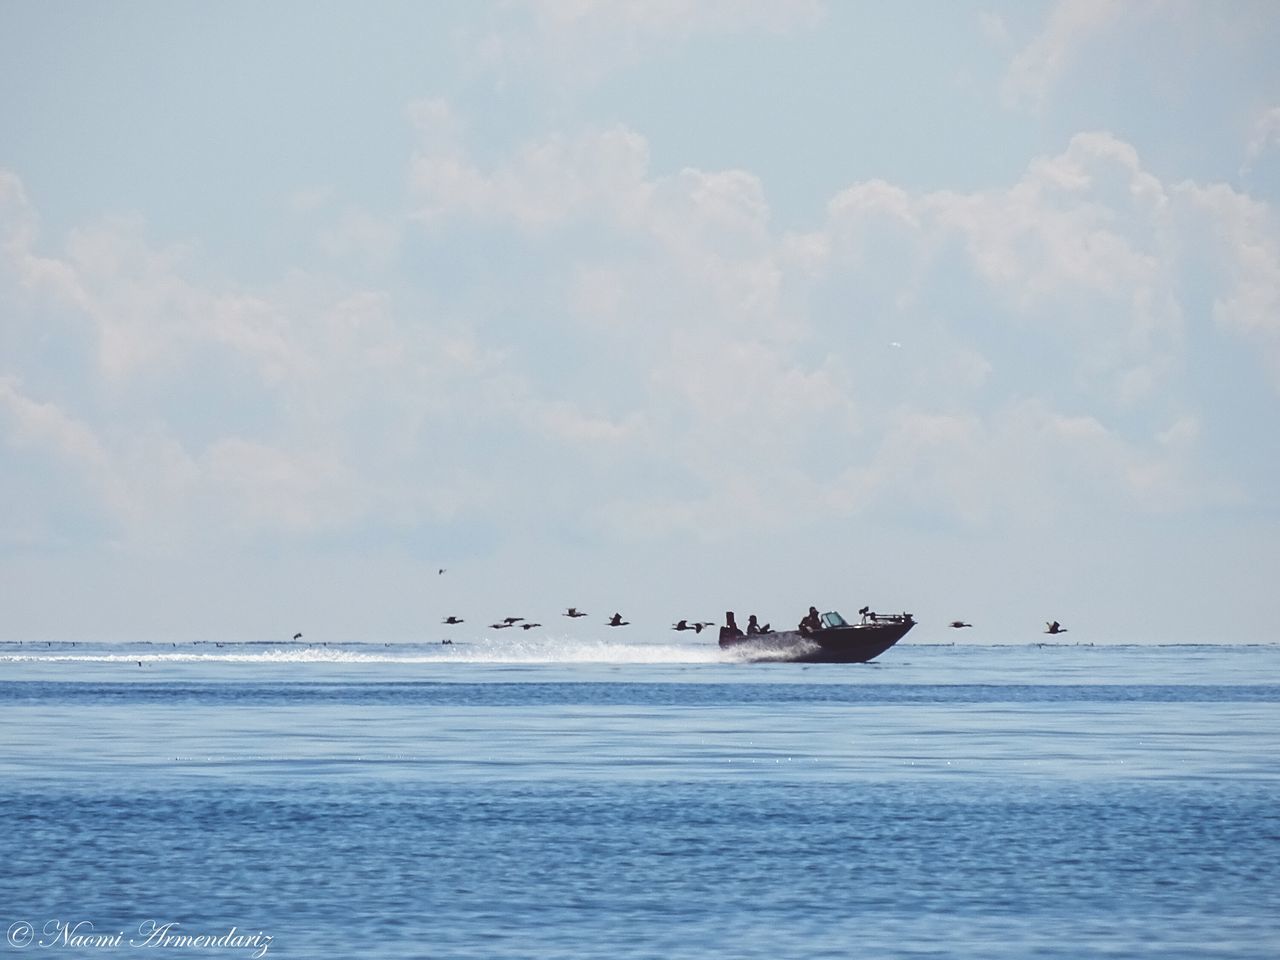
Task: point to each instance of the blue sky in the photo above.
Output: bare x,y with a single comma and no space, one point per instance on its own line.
667,308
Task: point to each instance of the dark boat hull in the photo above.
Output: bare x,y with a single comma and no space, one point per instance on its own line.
851,643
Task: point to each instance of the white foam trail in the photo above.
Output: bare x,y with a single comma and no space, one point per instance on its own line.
546,650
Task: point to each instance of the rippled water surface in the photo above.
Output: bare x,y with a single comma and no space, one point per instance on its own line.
596,799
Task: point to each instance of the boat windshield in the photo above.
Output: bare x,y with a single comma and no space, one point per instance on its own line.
833,619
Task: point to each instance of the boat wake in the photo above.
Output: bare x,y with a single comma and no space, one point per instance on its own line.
525,650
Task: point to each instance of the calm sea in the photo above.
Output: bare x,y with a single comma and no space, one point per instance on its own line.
556,798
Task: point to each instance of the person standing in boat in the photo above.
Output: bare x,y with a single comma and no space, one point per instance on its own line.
811,623
730,628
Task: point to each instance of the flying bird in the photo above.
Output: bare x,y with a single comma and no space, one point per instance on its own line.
696,626
499,626
451,619
957,624
617,621
297,636
446,643
440,571
529,626
573,612
510,620
1054,627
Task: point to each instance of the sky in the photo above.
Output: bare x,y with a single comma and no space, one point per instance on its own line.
668,308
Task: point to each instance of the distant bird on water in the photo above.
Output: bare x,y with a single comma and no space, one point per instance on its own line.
1054,627
957,624
447,643
452,619
617,621
573,612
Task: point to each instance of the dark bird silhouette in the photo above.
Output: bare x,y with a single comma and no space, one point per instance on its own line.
529,626
452,619
499,626
297,636
573,612
957,624
696,626
446,643
510,620
617,621
139,663
1054,627
440,571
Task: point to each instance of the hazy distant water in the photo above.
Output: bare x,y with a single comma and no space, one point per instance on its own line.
559,798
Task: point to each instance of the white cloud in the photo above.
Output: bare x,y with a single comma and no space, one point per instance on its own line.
360,236
545,184
1085,254
33,423
580,41
1265,136
1242,236
1071,25
699,337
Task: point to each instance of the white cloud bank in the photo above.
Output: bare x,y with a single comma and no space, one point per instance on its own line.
674,367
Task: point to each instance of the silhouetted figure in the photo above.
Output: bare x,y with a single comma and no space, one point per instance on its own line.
452,620
139,663
499,626
510,620
754,629
681,625
811,623
957,624
529,626
446,643
1054,627
730,628
297,636
440,571
573,612
617,621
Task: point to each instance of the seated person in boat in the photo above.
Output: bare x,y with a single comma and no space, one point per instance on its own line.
754,628
811,623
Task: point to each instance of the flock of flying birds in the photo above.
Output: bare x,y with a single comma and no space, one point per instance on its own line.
697,626
614,621
1050,626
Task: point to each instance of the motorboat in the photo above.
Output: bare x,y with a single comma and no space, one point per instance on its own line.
834,640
